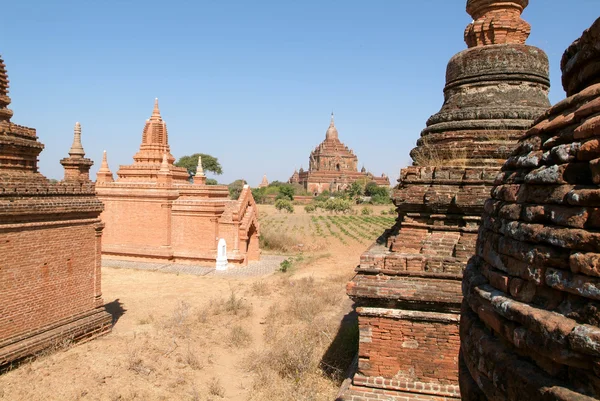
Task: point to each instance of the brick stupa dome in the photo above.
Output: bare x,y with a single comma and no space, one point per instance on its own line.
530,321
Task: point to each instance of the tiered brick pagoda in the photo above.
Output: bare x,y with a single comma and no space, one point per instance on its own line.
50,239
333,167
153,213
530,324
407,290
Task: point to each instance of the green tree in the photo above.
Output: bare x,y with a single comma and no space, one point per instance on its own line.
355,190
235,188
259,194
209,163
211,181
286,191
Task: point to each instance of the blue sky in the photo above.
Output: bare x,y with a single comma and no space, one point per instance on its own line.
250,82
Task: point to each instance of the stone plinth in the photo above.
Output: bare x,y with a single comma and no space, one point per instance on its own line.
407,290
50,236
153,213
530,326
333,167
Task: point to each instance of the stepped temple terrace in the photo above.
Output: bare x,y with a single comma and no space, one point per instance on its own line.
407,289
50,236
530,326
153,213
333,167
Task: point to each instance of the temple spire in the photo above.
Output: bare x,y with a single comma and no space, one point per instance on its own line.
104,174
156,112
5,112
199,169
332,132
76,150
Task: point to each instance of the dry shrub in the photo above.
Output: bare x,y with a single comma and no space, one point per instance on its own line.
261,288
280,241
215,388
178,322
192,360
239,337
233,305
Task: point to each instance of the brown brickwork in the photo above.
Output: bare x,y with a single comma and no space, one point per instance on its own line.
409,282
50,241
152,211
333,167
530,321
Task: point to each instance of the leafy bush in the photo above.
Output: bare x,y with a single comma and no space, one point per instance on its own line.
285,265
211,181
366,211
338,205
284,204
310,208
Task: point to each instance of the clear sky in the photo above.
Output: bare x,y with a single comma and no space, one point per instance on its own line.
250,82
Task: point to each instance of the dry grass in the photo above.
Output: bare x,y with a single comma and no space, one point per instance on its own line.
298,334
278,241
239,337
215,388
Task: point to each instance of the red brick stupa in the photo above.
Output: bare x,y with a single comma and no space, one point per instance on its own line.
153,213
51,239
407,290
530,323
333,167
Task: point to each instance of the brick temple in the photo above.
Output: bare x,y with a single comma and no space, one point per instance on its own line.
50,239
530,324
153,213
333,167
407,289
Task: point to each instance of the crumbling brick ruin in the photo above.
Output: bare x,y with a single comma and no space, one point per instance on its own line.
50,238
407,289
333,166
530,322
153,213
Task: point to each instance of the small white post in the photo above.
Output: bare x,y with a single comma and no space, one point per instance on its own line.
222,255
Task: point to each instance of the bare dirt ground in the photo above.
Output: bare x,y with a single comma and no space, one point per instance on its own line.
185,337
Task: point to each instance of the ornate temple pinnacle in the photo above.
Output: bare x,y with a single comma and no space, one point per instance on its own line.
156,111
76,150
332,132
199,169
5,112
496,22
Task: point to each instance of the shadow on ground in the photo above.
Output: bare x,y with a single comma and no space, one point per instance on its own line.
115,308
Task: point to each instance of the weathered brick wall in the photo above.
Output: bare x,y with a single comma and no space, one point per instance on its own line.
530,327
48,273
413,347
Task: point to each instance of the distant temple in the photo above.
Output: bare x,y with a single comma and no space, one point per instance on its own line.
50,254
264,183
152,211
333,167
